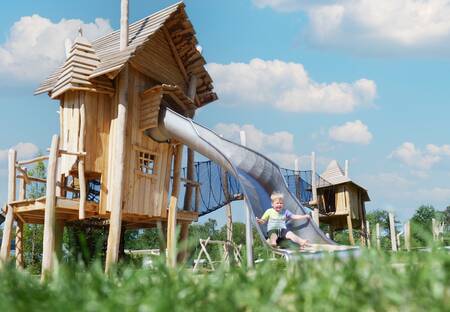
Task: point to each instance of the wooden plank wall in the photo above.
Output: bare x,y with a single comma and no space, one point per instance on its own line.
143,195
98,120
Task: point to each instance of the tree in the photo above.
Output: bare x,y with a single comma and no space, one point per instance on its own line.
421,225
33,233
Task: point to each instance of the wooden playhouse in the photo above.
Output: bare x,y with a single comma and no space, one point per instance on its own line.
103,164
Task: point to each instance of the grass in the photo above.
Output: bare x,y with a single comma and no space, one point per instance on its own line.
375,281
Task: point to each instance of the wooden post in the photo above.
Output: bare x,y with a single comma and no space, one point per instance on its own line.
123,24
433,229
48,252
350,229
229,242
298,184
172,215
377,233
369,236
192,90
248,221
184,233
313,177
19,226
407,231
316,216
118,160
59,230
7,230
392,231
81,176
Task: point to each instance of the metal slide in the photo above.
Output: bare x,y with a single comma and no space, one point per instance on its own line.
258,175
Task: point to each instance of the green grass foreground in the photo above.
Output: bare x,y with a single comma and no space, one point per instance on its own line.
418,281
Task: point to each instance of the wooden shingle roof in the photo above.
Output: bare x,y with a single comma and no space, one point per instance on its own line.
174,21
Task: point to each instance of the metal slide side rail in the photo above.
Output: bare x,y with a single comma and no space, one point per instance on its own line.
258,175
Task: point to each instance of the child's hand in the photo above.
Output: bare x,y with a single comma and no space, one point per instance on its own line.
260,221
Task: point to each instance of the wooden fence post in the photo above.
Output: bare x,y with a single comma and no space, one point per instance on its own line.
407,231
48,253
369,236
392,231
7,230
248,221
377,233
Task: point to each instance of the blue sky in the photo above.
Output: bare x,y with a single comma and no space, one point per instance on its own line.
361,80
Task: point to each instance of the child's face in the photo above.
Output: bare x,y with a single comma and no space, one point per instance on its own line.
278,205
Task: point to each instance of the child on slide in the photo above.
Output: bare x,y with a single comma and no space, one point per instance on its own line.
276,218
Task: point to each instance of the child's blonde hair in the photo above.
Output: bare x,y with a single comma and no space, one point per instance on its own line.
276,195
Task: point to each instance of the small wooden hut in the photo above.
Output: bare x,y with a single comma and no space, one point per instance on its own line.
342,203
103,164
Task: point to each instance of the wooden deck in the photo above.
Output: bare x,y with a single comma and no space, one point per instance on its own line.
33,211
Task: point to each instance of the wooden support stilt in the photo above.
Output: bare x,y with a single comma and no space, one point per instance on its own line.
350,229
377,233
19,245
7,230
162,238
184,233
369,236
48,253
81,174
192,90
433,229
117,184
407,231
172,215
392,232
59,230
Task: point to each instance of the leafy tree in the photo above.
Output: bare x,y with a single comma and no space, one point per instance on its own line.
33,233
421,230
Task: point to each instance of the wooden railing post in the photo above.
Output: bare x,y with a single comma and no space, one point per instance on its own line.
19,226
407,231
48,253
7,230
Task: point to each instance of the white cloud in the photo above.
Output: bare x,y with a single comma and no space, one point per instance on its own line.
278,146
371,27
408,154
443,150
24,151
351,132
35,45
287,86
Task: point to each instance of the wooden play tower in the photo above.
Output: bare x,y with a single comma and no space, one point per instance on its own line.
103,164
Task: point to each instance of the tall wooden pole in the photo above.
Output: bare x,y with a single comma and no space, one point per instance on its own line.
248,221
192,90
81,176
313,177
48,253
7,230
123,24
118,160
172,215
392,231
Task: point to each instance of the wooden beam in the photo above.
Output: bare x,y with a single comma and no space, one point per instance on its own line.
118,160
369,236
350,229
48,253
7,230
172,215
123,24
59,238
407,232
175,53
81,175
37,159
19,244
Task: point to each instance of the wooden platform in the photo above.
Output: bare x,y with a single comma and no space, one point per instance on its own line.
33,211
